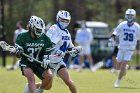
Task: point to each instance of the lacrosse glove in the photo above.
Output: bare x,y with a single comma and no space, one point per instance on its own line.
59,53
75,51
19,51
45,62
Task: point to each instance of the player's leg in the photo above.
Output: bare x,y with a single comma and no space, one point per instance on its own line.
63,73
90,61
46,76
120,55
47,81
122,73
28,73
126,58
81,63
114,61
122,70
89,57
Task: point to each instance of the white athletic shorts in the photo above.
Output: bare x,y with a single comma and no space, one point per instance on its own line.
124,55
85,50
56,66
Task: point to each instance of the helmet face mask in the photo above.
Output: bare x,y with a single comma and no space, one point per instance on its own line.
63,19
38,32
37,26
130,15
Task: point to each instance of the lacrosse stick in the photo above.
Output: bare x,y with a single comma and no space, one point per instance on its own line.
12,49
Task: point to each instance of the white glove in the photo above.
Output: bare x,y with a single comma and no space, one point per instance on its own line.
45,62
75,51
111,43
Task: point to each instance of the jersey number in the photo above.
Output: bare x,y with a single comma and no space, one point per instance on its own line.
33,52
64,47
128,37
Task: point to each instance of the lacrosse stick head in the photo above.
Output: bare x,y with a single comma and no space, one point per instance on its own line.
7,47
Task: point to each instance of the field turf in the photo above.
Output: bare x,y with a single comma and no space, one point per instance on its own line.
101,81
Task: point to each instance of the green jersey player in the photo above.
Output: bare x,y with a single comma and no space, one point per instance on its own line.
37,45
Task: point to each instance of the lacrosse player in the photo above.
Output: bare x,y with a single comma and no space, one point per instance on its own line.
61,37
128,33
19,30
37,45
84,38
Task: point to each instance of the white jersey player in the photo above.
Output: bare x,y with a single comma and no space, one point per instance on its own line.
128,32
61,37
84,38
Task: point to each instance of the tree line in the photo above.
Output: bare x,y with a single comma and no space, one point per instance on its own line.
108,11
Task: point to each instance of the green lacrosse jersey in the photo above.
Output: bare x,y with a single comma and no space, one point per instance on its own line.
34,47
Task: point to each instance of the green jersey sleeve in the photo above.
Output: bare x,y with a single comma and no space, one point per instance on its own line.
19,40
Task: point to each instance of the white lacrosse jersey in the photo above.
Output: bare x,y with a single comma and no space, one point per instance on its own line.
128,35
84,37
61,38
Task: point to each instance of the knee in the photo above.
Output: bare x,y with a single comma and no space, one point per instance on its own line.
47,83
49,78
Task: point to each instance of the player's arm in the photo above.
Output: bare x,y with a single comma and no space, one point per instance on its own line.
53,34
116,32
75,49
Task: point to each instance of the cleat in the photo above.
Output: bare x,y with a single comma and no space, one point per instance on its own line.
117,83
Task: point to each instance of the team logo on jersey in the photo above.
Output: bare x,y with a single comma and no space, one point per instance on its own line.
65,38
129,30
34,44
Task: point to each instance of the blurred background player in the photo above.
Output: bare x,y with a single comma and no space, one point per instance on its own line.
61,37
115,51
84,38
18,31
128,33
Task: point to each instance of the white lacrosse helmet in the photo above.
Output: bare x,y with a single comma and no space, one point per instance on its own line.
63,18
36,25
130,15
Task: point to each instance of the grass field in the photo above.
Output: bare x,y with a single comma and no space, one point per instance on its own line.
101,81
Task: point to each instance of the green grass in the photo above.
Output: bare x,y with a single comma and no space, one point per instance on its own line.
101,81
87,82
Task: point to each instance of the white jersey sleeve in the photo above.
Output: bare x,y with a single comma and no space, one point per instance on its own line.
53,34
117,30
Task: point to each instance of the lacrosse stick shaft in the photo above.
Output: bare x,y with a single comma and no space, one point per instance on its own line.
69,51
32,58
